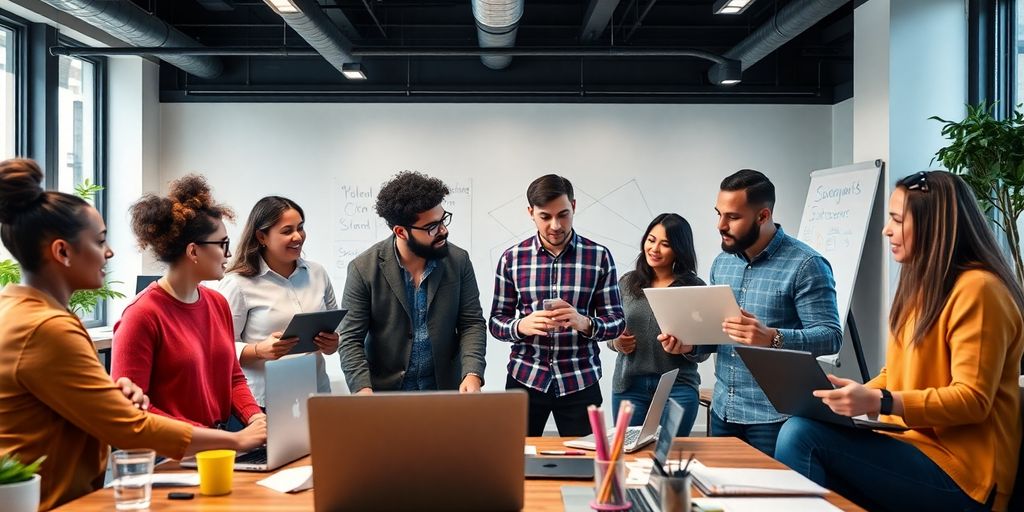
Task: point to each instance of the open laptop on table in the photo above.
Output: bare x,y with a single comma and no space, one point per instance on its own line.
637,437
418,451
788,377
290,382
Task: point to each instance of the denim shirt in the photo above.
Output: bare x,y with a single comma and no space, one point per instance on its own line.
420,373
788,286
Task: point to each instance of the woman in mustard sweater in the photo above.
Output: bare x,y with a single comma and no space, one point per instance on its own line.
952,364
55,398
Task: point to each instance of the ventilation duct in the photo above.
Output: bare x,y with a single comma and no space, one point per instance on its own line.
790,22
129,23
310,22
496,24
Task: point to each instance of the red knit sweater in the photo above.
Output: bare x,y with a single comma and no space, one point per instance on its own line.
183,357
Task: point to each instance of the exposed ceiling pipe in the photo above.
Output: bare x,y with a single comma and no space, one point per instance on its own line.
127,22
496,25
788,23
310,22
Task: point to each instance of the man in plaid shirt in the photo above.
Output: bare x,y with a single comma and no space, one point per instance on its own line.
555,348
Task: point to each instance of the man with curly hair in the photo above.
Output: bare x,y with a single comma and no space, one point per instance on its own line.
414,320
556,298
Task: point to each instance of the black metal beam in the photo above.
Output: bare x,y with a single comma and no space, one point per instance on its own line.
595,21
42,100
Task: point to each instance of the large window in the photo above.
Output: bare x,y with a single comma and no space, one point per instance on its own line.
8,94
76,147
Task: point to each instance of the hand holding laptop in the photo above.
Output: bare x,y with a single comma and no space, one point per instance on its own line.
748,330
851,398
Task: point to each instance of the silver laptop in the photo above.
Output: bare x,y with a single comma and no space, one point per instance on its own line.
290,382
638,437
418,451
694,314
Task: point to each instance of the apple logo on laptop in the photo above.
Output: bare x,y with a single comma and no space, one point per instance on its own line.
696,316
296,410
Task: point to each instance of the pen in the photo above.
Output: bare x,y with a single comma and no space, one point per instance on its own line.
562,452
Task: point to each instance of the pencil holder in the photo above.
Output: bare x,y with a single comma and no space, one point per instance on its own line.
675,493
610,486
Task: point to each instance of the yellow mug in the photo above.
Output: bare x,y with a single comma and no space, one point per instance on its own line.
216,471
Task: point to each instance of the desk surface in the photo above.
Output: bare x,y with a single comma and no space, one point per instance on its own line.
541,495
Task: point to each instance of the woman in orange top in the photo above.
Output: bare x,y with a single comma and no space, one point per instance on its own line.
952,365
55,398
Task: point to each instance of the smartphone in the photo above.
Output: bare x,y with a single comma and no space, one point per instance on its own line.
551,305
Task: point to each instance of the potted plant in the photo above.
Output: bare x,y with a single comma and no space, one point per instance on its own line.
19,484
988,153
81,302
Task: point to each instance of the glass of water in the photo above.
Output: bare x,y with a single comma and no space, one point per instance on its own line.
133,479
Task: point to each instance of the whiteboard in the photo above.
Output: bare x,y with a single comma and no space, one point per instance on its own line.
835,221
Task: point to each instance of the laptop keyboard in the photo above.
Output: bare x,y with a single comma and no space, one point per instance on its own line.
644,499
257,456
632,435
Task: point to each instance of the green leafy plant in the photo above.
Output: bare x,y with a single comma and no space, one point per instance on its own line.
81,301
989,154
13,471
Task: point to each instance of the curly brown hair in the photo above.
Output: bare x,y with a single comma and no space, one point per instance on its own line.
168,224
408,194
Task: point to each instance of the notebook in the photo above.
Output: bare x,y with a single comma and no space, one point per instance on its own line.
752,482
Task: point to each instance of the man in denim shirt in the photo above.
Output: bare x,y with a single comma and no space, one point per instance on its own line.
788,300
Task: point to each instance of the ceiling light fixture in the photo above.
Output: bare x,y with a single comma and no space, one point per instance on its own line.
728,72
731,6
353,71
282,6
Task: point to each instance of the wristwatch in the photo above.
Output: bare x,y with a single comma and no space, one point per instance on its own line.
885,404
777,340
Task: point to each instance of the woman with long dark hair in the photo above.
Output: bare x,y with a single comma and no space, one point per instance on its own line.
666,258
267,283
55,397
952,364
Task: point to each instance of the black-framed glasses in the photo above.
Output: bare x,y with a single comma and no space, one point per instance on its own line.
916,181
434,227
224,245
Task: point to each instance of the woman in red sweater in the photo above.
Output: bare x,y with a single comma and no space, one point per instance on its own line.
176,339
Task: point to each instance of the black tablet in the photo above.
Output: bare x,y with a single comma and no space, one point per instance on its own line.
561,468
306,326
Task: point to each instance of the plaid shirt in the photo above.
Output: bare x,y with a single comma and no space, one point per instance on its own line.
583,275
790,287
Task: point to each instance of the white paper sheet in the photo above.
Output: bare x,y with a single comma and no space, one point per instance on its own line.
294,479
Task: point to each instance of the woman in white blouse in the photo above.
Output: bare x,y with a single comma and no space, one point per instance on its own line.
267,283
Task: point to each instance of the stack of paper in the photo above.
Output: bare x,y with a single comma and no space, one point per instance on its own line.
753,482
764,504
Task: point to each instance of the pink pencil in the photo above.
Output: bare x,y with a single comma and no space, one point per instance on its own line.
600,436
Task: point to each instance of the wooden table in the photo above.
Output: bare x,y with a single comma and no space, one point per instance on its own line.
541,495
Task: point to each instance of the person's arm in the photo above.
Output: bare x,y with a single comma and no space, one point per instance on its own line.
242,402
815,300
351,346
60,369
504,322
879,381
609,320
230,289
472,327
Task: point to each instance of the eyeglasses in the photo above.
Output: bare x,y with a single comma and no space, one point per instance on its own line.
916,181
434,227
224,245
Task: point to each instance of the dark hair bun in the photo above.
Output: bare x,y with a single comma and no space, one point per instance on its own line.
20,187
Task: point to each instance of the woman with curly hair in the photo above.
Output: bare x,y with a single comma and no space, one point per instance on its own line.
56,400
176,339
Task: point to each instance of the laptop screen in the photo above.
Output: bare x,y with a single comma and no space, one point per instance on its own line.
670,421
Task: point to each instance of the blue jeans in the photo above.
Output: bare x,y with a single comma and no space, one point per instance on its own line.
641,391
759,435
876,471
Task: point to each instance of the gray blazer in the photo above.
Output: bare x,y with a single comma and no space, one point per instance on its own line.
376,334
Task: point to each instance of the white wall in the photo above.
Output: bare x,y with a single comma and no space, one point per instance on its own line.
677,155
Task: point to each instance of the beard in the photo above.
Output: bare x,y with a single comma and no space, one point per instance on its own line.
428,251
743,242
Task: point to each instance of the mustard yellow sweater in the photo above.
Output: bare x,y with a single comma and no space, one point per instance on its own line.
959,386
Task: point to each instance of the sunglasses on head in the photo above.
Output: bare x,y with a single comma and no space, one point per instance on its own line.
916,181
